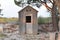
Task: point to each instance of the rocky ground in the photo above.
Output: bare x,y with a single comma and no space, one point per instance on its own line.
17,36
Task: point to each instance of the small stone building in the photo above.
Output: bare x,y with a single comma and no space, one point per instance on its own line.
28,20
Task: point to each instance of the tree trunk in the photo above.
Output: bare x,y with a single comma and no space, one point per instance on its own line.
54,17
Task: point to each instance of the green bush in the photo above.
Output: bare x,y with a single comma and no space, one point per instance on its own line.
42,20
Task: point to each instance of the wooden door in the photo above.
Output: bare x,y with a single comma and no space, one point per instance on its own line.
28,25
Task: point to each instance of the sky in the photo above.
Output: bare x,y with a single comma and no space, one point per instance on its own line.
11,10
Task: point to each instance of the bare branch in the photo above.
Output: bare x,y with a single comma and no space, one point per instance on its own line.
49,8
51,1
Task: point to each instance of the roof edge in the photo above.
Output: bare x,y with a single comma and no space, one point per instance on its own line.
27,6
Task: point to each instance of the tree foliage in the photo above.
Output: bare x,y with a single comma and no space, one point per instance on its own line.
38,3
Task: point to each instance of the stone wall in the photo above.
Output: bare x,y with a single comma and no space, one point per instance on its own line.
47,27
